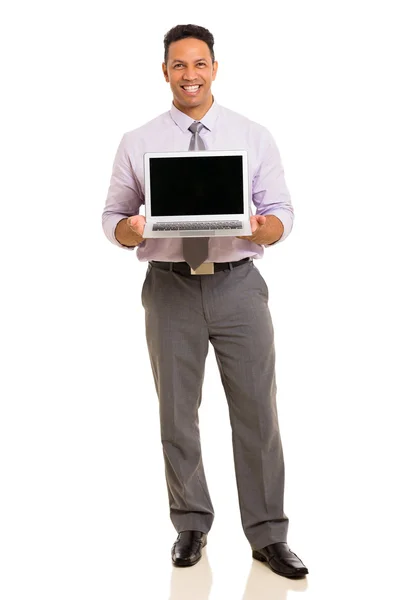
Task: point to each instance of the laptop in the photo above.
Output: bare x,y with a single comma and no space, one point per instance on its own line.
201,193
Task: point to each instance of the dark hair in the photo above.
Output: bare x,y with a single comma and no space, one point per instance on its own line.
181,32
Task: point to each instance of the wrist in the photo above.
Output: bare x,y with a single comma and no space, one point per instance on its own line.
274,229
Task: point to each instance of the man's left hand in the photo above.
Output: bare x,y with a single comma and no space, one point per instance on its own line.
265,230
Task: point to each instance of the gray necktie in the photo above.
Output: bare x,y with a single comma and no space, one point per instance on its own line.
195,250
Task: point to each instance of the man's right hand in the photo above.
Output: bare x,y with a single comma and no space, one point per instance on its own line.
129,232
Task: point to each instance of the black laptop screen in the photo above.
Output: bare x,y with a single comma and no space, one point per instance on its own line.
199,185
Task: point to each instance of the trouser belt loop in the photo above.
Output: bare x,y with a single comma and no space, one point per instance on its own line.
230,266
170,266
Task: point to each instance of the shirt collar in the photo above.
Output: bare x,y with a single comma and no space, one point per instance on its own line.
184,121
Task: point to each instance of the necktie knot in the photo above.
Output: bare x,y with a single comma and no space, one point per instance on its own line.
196,142
196,127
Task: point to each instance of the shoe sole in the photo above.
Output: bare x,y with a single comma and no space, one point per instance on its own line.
179,562
262,558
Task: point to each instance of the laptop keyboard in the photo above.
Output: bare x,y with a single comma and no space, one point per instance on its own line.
195,225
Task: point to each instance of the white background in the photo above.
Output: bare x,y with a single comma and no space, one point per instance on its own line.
83,508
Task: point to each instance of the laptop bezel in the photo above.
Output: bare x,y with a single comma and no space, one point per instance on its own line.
230,216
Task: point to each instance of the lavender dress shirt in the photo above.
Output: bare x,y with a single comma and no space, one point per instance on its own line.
224,130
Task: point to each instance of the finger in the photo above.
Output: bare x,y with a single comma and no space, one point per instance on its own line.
135,221
135,226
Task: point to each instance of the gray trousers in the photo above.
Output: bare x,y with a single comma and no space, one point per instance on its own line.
229,309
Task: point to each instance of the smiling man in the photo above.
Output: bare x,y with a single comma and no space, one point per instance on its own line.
228,307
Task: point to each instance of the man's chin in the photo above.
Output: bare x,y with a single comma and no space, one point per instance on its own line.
187,102
191,100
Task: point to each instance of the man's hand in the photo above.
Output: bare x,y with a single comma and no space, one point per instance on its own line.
266,230
129,232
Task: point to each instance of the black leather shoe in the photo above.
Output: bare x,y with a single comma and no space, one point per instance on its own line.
281,560
186,551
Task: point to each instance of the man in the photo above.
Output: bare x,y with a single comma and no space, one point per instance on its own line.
229,307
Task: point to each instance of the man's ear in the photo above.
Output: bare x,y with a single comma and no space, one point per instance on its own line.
215,69
165,72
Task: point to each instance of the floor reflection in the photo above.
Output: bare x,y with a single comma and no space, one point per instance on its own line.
262,581
192,583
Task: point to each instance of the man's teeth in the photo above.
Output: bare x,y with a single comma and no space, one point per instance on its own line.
191,88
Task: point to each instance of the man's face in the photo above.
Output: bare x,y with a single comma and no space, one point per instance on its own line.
189,63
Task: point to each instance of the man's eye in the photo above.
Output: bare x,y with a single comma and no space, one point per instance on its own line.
181,65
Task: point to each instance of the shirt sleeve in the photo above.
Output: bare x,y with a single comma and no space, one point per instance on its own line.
269,190
124,195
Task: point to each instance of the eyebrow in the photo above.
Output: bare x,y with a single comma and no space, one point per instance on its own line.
183,62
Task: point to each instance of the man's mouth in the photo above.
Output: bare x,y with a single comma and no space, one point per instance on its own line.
191,90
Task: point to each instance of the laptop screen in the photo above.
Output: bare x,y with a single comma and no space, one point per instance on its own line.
199,185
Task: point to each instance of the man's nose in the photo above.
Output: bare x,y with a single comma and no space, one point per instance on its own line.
190,74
